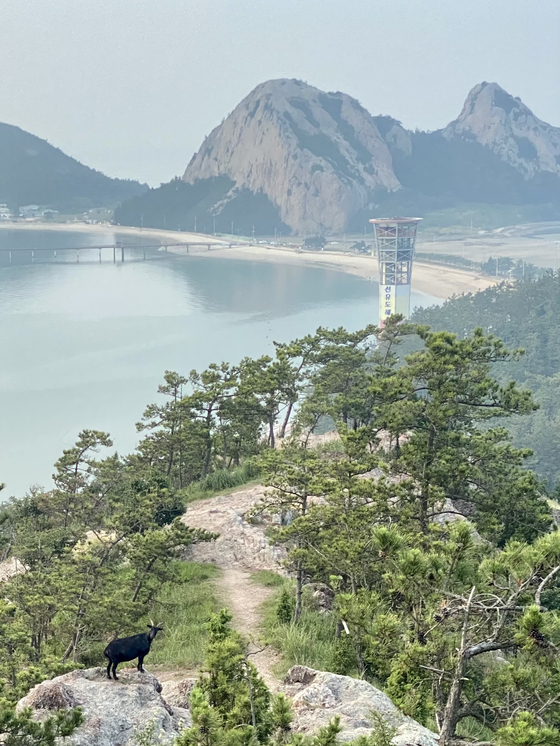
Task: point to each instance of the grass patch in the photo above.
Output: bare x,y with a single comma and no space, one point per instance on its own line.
221,481
268,579
311,642
183,606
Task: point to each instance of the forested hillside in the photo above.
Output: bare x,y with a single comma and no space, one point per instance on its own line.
181,206
421,519
34,172
524,315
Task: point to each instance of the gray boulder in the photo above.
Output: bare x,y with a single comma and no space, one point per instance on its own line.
178,693
318,696
114,711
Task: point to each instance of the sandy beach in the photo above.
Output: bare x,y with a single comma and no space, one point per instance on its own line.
439,281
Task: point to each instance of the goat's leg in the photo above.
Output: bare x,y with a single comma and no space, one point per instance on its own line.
115,671
141,663
109,669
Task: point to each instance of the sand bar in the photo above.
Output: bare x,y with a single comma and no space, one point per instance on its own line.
435,280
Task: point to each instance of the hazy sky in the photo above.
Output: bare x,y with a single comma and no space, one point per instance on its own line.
131,87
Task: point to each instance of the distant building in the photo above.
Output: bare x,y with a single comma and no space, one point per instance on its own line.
5,212
36,211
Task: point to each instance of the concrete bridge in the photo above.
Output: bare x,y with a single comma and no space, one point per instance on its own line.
118,249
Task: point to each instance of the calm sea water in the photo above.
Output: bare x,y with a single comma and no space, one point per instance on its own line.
86,345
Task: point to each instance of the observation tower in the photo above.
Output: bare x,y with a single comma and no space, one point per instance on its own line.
394,240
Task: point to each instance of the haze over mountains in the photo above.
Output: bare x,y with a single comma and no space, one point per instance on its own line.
34,172
293,157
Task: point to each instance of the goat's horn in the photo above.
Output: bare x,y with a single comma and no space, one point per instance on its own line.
152,622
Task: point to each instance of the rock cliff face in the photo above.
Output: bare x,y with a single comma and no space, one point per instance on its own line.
292,157
505,125
317,156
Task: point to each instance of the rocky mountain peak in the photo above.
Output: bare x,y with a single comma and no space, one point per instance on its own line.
506,125
317,156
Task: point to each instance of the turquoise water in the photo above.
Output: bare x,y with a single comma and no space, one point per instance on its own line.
86,345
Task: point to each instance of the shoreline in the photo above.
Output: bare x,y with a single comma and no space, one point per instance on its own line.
436,280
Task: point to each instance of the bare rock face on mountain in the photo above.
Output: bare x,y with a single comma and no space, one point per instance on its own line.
398,139
319,696
114,711
318,157
505,125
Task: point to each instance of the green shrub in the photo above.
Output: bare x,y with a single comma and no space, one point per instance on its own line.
285,608
221,480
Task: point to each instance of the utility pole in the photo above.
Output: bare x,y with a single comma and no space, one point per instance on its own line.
232,227
214,226
275,238
195,223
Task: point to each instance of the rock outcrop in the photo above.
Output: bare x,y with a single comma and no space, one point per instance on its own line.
114,711
317,156
318,696
504,124
241,543
178,693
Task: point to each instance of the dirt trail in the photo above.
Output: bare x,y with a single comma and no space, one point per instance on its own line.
243,598
241,549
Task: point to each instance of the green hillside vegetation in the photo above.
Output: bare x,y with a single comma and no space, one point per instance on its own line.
181,206
524,315
432,534
469,172
34,172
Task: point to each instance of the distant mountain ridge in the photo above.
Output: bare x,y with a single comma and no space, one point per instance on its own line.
34,172
310,152
509,128
321,163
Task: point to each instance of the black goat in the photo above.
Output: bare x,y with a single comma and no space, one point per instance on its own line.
128,648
